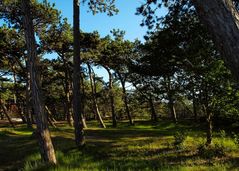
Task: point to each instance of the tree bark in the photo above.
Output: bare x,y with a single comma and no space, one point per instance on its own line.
222,21
125,99
43,134
93,90
77,99
171,101
112,103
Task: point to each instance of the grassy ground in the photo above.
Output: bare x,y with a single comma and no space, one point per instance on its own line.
145,146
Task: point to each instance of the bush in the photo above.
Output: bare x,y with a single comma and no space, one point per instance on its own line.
235,138
179,138
211,151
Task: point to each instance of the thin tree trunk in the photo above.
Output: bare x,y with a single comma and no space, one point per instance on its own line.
77,99
6,113
112,103
68,104
222,19
50,118
28,101
125,99
83,99
43,134
93,91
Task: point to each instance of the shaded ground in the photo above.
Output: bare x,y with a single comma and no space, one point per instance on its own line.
143,147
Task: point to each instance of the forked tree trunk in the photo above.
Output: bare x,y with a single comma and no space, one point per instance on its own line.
93,91
112,103
43,134
125,99
170,99
222,20
77,99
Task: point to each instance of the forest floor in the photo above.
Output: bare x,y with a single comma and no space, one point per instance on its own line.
145,146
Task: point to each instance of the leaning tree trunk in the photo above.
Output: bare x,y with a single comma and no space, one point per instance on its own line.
222,20
125,99
44,139
112,103
93,90
83,100
6,113
77,99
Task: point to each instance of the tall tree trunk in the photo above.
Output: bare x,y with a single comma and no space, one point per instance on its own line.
112,103
125,99
222,20
152,108
6,113
93,90
77,106
43,134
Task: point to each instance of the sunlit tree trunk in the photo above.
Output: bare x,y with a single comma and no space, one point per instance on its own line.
93,90
112,103
125,99
222,20
77,99
43,134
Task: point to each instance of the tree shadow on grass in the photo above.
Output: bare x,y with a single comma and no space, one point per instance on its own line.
14,149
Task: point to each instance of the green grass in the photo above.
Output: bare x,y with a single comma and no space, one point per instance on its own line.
144,146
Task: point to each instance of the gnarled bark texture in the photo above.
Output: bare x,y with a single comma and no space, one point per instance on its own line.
222,20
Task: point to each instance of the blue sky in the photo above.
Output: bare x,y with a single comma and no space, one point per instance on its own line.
125,20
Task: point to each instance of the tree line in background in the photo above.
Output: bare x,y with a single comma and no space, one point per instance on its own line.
176,73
